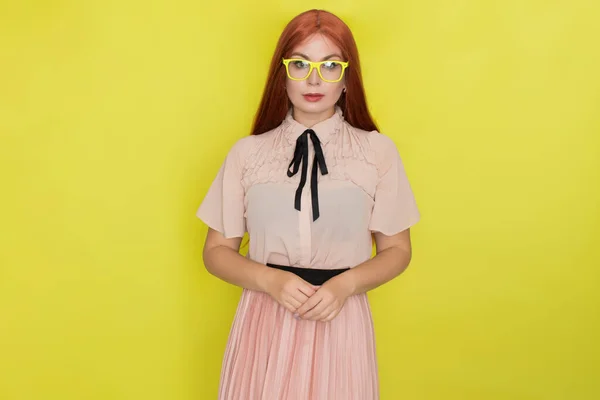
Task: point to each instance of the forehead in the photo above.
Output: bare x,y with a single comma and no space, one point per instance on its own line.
317,46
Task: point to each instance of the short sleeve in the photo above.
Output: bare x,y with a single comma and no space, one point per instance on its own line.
395,208
223,206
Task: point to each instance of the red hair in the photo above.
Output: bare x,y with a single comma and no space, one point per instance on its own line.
275,102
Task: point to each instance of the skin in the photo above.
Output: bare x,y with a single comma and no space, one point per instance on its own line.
318,303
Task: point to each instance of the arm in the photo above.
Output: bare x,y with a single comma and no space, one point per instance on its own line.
394,212
223,260
223,211
393,257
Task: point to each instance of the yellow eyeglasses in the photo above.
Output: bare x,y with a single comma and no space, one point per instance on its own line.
330,71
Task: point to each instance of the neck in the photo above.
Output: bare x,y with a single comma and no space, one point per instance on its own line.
311,119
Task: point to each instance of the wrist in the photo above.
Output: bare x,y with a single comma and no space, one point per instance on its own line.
265,277
347,280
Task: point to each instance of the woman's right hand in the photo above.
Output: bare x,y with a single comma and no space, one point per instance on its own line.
288,289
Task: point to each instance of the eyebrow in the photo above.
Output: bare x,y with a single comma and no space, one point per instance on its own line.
324,58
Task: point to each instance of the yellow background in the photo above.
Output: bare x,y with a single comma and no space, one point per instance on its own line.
115,115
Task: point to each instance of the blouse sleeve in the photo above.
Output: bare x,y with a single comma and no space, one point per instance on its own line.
395,208
223,206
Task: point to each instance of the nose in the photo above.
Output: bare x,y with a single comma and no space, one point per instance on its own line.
314,78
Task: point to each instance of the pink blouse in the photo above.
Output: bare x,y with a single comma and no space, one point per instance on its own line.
366,189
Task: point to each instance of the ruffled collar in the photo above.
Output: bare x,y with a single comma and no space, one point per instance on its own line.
324,129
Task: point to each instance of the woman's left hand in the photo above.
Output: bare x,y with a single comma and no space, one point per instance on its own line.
326,303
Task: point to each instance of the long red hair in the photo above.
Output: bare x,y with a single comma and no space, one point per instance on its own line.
275,102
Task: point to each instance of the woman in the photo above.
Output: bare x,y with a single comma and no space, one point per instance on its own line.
313,185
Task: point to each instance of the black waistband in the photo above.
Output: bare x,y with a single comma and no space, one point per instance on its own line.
311,275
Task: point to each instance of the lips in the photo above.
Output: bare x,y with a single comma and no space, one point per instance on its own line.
313,96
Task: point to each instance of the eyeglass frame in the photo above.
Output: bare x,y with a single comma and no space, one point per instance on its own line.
313,65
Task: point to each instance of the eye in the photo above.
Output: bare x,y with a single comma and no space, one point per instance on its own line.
331,64
300,64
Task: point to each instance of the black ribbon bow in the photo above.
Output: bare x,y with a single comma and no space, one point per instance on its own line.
301,156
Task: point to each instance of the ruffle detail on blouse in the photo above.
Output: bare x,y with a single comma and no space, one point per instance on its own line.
348,156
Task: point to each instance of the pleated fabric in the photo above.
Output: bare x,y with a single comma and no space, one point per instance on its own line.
272,355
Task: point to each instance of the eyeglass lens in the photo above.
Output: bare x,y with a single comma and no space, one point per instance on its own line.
330,70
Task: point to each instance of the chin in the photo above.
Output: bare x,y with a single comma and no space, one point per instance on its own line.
313,108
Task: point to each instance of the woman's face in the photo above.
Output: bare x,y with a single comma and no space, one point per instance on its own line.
326,94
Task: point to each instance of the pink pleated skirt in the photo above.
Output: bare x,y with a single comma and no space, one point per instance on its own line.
271,355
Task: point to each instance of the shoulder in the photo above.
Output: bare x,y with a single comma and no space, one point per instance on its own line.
381,147
375,140
381,150
243,145
382,144
249,146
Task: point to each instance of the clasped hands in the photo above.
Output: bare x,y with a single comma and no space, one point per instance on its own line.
307,301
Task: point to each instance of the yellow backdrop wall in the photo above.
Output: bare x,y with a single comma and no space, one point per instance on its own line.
115,115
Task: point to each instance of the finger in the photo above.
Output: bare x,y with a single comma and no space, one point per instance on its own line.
294,302
328,310
320,315
289,306
317,310
307,289
300,297
310,303
332,315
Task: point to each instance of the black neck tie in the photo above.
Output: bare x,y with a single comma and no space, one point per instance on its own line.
301,156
